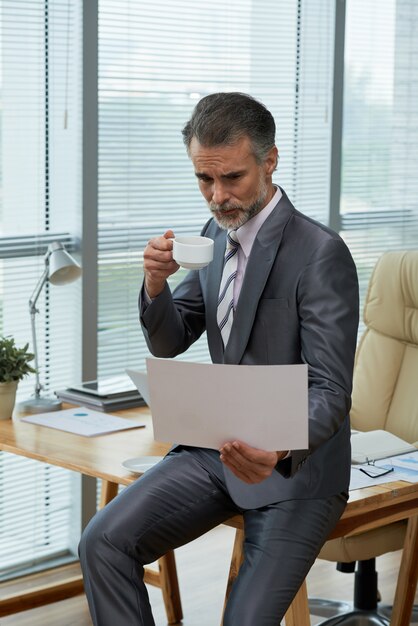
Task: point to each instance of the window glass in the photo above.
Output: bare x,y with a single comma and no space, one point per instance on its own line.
155,62
379,201
40,156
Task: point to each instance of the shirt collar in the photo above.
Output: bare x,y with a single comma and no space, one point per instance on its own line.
247,233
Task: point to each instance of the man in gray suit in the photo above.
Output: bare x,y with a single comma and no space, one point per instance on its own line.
294,299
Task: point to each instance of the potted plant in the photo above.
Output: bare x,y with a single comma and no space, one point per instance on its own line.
14,365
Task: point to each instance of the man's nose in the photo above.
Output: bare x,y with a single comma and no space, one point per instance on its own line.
219,194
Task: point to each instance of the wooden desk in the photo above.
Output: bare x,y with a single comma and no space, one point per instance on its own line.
102,457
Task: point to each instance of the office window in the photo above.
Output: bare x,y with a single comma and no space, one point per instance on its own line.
379,202
156,60
39,203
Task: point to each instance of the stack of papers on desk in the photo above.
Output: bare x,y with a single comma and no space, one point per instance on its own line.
378,456
82,421
399,467
405,466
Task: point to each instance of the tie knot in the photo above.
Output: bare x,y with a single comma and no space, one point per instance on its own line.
232,239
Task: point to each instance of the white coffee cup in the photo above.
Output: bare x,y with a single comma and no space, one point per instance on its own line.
192,253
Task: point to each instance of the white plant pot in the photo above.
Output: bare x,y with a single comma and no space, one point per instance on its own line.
7,399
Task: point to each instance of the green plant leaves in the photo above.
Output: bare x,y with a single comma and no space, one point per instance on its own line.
14,361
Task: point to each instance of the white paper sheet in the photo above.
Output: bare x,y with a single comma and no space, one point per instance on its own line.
82,421
206,405
404,466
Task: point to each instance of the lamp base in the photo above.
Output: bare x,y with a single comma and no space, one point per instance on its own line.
39,405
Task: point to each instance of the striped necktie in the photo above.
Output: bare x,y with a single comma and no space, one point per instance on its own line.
225,312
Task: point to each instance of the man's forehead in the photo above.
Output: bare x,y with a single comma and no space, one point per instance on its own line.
230,155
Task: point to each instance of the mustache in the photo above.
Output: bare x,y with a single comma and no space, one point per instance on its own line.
221,208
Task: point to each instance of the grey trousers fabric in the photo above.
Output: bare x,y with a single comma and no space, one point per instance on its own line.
177,501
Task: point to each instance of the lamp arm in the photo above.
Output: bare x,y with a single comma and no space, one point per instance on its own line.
33,310
38,385
36,292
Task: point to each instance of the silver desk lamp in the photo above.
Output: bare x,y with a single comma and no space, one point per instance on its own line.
60,268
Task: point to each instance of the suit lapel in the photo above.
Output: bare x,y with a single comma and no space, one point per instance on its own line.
258,268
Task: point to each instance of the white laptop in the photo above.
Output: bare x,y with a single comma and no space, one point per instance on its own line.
140,380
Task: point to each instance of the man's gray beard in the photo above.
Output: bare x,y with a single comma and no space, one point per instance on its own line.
245,213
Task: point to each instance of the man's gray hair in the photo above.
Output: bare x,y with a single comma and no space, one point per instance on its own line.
224,118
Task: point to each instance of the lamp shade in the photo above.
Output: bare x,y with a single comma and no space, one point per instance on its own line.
62,267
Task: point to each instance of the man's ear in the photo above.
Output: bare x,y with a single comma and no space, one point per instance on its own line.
271,160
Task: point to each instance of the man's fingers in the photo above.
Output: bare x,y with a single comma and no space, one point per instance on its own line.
159,248
158,263
245,468
161,243
158,256
248,466
246,454
161,265
242,473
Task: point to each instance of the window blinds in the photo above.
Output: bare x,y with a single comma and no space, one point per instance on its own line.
155,62
40,161
379,203
37,502
39,203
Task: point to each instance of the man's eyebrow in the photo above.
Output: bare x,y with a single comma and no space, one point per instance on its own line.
233,174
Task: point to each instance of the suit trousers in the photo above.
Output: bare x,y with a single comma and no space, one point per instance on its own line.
175,502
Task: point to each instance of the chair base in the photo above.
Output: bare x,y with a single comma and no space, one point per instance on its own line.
328,608
335,609
386,611
357,618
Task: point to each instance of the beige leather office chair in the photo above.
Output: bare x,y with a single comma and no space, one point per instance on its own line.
385,396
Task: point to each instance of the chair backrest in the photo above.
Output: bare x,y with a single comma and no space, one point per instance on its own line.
385,385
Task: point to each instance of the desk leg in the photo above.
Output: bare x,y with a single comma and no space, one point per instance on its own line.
170,587
407,578
298,612
166,577
108,492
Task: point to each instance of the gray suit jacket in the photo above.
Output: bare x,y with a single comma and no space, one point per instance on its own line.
298,304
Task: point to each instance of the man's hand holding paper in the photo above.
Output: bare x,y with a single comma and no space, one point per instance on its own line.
249,464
